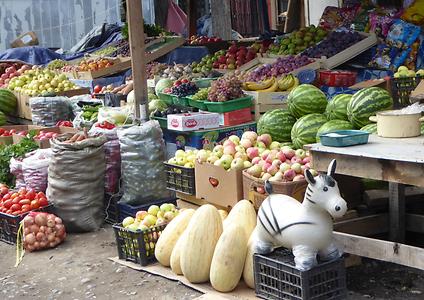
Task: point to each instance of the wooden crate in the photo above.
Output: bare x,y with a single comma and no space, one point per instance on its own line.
119,64
269,60
263,102
158,49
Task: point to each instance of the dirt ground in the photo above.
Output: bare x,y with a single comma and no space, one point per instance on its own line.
79,269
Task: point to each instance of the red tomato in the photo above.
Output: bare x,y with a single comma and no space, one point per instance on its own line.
2,130
22,191
16,213
3,210
12,131
97,89
9,212
25,201
19,198
26,208
15,201
40,195
4,190
43,201
7,196
15,207
14,195
30,195
35,204
7,204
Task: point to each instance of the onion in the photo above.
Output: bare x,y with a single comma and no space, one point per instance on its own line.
30,248
43,245
30,238
39,236
36,245
28,221
51,237
40,219
50,223
52,244
61,233
57,240
26,231
58,227
42,228
58,220
49,230
34,228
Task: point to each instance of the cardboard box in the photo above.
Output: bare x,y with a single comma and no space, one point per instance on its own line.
26,39
46,143
266,101
193,121
417,95
217,185
235,117
382,82
24,108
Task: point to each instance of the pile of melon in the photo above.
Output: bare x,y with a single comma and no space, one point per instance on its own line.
204,245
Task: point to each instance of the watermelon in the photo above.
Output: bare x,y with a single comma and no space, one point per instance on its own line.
305,129
333,125
371,128
2,118
8,101
366,103
337,108
278,123
306,99
422,128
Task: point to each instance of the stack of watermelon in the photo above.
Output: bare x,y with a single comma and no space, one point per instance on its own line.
8,103
309,114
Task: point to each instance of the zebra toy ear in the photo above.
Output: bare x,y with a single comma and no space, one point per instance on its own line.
332,168
268,187
309,177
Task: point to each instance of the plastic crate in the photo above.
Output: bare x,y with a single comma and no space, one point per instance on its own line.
204,82
402,88
180,179
277,278
137,246
163,122
111,208
197,103
236,104
167,98
9,225
127,210
337,78
180,101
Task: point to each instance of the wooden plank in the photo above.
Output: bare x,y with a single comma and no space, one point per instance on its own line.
293,16
138,62
382,250
365,226
375,198
365,167
397,212
221,19
414,223
192,17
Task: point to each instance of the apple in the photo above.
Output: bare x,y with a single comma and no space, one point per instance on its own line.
202,156
153,210
128,221
166,207
172,161
178,153
300,153
265,166
313,172
289,175
212,159
133,227
235,139
169,216
246,143
279,176
306,160
261,163
254,170
247,164
265,138
237,164
241,155
181,160
265,154
229,143
296,159
160,214
274,146
289,153
252,152
160,221
250,135
308,165
297,167
270,158
218,163
226,161
272,170
260,144
266,176
280,156
150,220
229,150
256,160
276,163
140,215
299,177
240,149
260,190
142,227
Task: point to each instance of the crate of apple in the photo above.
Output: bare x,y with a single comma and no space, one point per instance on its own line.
45,135
4,132
12,72
234,57
201,40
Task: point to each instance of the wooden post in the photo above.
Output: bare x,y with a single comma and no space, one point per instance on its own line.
397,211
221,19
192,17
138,62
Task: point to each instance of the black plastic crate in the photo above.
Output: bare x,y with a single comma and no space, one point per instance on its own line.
9,224
111,208
402,88
277,278
137,246
180,179
126,210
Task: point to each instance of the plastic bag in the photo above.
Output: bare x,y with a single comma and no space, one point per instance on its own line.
114,115
15,167
142,168
47,111
80,122
76,181
112,158
415,13
34,169
402,34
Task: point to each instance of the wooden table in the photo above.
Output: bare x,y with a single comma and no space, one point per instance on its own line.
398,161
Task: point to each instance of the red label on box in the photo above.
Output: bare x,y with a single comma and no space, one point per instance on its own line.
190,123
175,123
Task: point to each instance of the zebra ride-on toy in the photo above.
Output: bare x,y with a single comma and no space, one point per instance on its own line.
307,227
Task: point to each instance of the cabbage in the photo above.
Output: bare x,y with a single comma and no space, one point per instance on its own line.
157,104
163,84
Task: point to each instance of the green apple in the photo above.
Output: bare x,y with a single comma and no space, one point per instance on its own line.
133,227
128,221
153,210
166,207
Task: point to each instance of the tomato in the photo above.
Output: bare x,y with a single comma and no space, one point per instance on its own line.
7,204
2,130
19,198
30,195
12,131
25,201
16,213
15,201
35,204
26,208
43,201
4,190
9,212
3,210
40,195
22,191
15,207
14,195
7,196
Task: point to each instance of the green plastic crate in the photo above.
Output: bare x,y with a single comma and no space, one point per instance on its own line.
163,122
236,104
197,103
180,101
167,98
203,82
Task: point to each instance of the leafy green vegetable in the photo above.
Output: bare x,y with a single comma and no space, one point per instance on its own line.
149,29
18,150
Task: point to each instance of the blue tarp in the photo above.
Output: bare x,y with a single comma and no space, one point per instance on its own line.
32,55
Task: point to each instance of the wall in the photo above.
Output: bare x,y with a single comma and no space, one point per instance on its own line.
316,8
58,23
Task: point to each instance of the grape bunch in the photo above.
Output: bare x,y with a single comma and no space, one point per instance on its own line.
173,111
183,88
334,43
224,89
202,94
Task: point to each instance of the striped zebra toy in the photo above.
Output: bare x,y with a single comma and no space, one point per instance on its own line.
307,227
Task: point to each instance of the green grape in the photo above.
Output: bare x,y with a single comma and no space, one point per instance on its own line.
202,94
